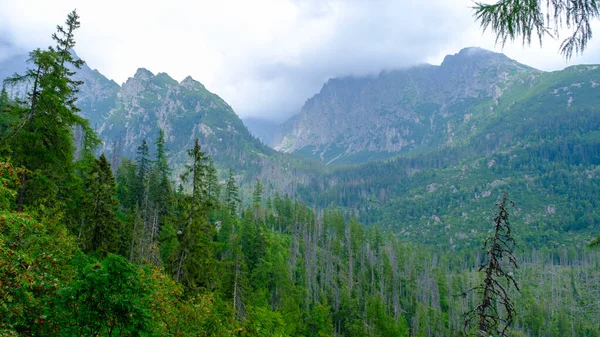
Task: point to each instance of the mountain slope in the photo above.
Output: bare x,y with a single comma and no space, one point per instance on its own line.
125,115
402,111
545,153
185,111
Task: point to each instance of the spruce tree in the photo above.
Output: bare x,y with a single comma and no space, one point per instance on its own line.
213,189
232,199
194,263
160,190
3,99
127,184
101,227
257,194
197,172
143,166
42,139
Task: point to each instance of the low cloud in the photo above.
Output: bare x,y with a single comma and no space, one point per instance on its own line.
264,57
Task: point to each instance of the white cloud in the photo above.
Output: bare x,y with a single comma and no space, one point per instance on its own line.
265,57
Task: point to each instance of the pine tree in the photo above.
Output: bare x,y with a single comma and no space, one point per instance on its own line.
161,161
127,184
257,193
143,166
160,191
101,227
213,188
194,262
197,171
232,199
42,139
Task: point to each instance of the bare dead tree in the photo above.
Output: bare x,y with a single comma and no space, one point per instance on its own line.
498,278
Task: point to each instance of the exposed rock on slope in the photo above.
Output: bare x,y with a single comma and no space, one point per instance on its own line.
413,109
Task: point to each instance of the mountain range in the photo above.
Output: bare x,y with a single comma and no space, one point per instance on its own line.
426,149
423,108
125,115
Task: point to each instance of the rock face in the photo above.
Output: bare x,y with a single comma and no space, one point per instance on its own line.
414,109
184,111
125,115
97,95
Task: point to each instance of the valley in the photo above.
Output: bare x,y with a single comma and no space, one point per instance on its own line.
151,208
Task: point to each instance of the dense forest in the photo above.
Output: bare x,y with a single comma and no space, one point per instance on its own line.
87,249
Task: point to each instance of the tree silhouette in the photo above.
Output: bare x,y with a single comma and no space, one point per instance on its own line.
498,278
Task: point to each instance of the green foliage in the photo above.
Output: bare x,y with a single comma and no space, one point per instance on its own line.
595,243
107,297
232,199
34,265
10,180
41,138
8,114
143,166
160,185
100,228
321,324
193,261
513,19
190,265
127,184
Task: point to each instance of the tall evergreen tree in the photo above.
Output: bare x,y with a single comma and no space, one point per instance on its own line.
160,191
194,262
3,98
213,188
197,172
127,184
101,228
257,194
42,139
143,166
6,115
232,199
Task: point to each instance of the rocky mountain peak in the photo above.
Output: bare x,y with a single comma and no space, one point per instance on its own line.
164,80
471,54
143,74
190,83
477,58
417,108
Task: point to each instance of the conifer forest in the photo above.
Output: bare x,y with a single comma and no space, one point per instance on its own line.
150,210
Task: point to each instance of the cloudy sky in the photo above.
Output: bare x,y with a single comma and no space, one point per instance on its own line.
264,57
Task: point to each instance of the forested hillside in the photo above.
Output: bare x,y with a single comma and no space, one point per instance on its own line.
546,158
143,248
